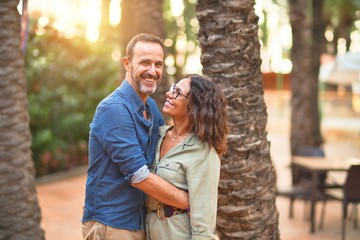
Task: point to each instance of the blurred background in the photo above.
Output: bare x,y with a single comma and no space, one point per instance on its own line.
73,51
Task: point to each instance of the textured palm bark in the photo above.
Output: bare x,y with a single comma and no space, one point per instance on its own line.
305,121
19,209
228,38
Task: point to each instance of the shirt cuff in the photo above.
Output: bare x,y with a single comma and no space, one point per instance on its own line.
141,174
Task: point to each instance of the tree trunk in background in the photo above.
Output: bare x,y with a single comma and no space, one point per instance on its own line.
318,35
317,47
106,32
305,123
149,17
19,209
140,16
340,16
347,19
128,23
228,38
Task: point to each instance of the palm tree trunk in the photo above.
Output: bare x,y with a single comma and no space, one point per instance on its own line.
128,26
19,210
230,47
317,47
305,120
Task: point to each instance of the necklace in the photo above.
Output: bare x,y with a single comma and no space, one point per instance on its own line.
178,137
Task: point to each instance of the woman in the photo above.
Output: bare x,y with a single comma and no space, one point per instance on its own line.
188,156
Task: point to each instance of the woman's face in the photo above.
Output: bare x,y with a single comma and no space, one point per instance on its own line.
177,100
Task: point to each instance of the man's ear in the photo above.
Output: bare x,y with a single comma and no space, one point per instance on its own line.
126,63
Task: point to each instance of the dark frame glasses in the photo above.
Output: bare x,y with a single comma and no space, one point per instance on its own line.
176,92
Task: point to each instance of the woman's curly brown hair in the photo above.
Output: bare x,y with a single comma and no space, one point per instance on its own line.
207,112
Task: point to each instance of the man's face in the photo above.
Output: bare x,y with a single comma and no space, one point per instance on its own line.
145,68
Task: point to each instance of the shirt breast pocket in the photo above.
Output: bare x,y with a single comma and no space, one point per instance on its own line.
168,171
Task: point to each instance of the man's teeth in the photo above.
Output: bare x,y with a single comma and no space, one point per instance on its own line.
150,79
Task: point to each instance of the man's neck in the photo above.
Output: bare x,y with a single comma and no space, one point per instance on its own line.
142,96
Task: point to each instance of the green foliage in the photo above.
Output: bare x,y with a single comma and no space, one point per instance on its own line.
180,28
66,80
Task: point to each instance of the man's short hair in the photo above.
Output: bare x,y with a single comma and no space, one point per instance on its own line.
142,37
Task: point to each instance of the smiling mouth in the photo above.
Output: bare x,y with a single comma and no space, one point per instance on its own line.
168,102
150,79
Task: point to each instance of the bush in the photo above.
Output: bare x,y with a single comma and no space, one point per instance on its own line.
66,80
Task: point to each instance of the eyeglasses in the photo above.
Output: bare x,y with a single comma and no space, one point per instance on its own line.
176,92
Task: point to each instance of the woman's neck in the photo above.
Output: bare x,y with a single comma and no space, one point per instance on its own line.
180,130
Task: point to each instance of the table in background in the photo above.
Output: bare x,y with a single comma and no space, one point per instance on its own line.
317,165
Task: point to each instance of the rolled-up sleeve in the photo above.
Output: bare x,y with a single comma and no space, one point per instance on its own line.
141,174
203,180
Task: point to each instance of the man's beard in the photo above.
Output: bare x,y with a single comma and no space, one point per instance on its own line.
142,88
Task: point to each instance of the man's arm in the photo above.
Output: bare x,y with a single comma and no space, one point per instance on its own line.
163,191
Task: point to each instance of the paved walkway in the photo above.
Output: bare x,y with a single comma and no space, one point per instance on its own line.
61,199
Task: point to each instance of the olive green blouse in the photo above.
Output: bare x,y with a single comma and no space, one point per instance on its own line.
194,167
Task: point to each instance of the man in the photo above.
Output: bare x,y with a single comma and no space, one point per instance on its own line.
122,141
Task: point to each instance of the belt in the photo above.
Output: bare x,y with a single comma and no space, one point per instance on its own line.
169,211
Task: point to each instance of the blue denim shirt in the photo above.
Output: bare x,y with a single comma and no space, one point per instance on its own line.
121,141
